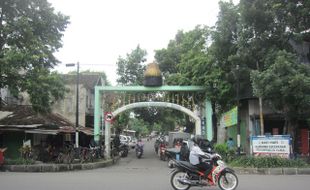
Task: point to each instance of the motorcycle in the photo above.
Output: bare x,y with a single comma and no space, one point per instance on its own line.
139,150
123,150
162,152
186,175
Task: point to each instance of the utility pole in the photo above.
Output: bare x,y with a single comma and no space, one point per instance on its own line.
77,101
238,112
261,117
77,105
260,102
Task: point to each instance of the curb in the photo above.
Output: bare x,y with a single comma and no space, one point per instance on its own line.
59,167
273,171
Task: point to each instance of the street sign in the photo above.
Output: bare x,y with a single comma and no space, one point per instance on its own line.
108,116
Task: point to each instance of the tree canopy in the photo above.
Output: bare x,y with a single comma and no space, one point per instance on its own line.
261,45
30,32
267,40
130,69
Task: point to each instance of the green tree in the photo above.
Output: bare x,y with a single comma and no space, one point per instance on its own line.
179,60
286,85
30,32
204,63
157,127
139,126
130,70
122,121
273,34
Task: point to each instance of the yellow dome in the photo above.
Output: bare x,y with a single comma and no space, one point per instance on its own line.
152,70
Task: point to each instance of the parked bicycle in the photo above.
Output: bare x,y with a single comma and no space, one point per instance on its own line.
66,156
28,153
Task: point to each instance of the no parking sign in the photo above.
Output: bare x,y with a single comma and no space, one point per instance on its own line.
108,116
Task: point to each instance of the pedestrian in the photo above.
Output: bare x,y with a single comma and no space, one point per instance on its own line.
2,150
230,143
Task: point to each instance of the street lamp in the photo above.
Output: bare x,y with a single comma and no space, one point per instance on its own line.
77,101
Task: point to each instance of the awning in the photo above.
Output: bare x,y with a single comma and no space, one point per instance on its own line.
66,129
87,131
44,131
33,126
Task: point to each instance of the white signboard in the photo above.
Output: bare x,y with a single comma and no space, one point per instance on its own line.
277,145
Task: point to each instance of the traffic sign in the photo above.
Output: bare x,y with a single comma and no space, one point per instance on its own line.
108,116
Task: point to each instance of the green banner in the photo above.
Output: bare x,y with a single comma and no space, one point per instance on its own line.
230,118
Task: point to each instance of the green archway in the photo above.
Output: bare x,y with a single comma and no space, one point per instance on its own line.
162,104
99,108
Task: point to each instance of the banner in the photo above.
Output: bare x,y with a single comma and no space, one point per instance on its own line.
275,145
230,118
203,126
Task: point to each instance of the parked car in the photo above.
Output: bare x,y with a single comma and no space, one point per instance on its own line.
123,139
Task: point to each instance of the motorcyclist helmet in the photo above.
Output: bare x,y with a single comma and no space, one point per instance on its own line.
195,140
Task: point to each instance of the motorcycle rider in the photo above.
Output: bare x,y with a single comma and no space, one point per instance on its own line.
139,145
195,157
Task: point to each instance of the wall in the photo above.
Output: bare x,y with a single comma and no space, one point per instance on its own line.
89,102
67,106
225,132
13,141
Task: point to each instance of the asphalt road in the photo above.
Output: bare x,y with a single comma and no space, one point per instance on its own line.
147,173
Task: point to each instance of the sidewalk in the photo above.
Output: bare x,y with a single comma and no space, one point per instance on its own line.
273,171
106,163
58,167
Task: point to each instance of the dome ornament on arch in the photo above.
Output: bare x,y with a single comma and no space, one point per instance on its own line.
152,76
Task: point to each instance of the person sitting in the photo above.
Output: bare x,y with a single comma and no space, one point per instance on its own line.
177,145
195,157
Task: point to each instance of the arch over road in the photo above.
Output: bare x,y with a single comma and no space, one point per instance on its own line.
106,128
162,104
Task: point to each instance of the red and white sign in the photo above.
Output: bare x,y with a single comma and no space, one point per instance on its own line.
108,116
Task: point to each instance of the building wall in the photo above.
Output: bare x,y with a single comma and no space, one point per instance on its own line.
90,102
8,97
225,132
67,106
13,141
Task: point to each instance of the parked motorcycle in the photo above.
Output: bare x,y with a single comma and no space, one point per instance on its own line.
186,175
123,150
139,150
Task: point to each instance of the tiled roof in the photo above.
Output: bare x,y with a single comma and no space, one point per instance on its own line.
24,115
23,118
88,80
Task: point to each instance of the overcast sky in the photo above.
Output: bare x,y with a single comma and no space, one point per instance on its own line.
102,30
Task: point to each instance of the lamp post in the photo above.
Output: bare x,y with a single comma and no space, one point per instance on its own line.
77,101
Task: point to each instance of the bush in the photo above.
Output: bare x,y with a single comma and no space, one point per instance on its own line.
227,154
18,161
267,162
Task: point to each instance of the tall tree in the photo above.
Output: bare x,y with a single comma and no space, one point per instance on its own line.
30,32
286,85
130,69
273,33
